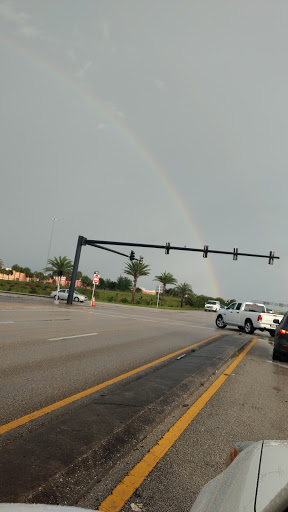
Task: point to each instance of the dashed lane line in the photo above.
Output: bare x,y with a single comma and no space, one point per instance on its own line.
76,336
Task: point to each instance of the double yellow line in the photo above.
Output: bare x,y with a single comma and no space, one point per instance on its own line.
120,495
115,501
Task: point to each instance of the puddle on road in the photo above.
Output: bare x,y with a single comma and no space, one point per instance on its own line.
53,320
279,363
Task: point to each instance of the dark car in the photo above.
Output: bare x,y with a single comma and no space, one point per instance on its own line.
281,339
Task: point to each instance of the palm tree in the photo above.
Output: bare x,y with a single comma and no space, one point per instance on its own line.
60,264
27,272
38,276
182,291
6,271
18,269
1,264
165,278
136,269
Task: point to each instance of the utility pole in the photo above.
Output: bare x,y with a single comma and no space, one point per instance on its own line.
53,222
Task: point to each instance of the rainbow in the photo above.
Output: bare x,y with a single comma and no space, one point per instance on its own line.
122,127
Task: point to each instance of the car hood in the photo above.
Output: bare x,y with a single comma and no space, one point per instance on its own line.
250,483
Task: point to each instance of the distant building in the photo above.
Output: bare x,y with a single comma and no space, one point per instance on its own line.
14,276
147,292
20,276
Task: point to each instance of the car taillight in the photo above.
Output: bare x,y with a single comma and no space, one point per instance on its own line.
259,318
282,331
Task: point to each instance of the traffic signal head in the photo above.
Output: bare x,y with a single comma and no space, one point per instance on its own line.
141,259
235,253
205,251
271,257
132,256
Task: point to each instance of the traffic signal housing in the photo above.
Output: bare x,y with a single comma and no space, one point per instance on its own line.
271,257
235,253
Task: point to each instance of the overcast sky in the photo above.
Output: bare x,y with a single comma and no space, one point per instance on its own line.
147,121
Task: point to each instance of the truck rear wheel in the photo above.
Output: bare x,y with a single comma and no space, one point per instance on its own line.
249,329
271,332
220,322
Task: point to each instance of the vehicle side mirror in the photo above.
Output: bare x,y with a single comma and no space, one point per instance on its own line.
276,321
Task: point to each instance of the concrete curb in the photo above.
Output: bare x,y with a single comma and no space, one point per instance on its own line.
26,294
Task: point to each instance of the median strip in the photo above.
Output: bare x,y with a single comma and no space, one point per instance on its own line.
121,494
66,401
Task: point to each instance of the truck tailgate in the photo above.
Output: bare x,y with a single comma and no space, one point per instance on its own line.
267,320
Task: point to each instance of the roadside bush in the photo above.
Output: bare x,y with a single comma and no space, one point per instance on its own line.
149,302
34,290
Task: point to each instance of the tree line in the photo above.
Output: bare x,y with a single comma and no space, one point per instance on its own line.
134,269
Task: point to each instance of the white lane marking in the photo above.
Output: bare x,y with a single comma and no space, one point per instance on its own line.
69,337
7,322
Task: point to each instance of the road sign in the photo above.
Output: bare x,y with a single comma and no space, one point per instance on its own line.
96,278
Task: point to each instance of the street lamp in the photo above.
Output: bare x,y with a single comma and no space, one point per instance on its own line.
53,222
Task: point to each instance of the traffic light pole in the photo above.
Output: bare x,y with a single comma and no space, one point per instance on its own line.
167,248
81,241
235,253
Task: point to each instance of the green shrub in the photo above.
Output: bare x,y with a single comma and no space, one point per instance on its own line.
149,302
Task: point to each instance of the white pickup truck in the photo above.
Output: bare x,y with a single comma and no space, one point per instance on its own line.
247,316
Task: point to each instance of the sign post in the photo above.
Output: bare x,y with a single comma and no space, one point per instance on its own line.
95,281
60,273
159,290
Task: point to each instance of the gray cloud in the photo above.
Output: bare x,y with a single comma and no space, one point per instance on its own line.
11,13
149,122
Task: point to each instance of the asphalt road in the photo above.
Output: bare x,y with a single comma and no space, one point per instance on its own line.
39,369
251,405
49,352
